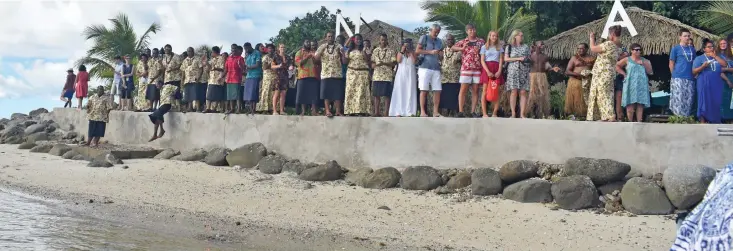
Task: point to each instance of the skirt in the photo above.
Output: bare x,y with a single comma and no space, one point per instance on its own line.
449,96
682,96
232,92
307,91
81,89
382,89
574,98
280,84
158,114
252,90
538,100
96,128
493,68
201,89
152,92
215,93
189,92
333,89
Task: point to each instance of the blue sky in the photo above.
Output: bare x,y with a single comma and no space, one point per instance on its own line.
33,61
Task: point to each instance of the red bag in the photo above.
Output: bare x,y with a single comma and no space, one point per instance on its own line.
492,90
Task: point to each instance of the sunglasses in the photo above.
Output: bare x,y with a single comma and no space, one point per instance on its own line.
636,49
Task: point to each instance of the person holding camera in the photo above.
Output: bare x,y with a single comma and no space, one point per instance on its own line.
470,69
404,93
429,49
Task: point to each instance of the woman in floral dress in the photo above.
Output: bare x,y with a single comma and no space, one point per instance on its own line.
269,80
358,95
604,73
517,79
635,95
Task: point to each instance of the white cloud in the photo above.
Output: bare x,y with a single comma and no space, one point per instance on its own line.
49,32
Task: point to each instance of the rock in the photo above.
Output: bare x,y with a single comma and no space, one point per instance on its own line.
518,170
98,162
69,154
271,164
70,135
79,157
529,191
167,154
296,167
610,187
485,181
59,149
51,127
18,116
357,176
600,171
575,192
191,155
35,113
111,158
41,149
384,208
326,172
548,171
382,178
444,190
421,178
685,186
35,128
39,136
460,180
13,140
247,156
14,130
26,145
28,123
217,156
643,196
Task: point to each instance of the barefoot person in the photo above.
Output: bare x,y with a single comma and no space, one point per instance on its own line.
539,89
517,78
383,62
82,85
98,108
604,72
67,94
333,87
167,95
682,85
470,69
575,100
492,58
215,91
155,76
142,70
173,74
635,96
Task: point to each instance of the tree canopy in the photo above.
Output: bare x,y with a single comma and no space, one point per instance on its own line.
484,15
313,25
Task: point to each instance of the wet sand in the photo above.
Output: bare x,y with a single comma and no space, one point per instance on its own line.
257,211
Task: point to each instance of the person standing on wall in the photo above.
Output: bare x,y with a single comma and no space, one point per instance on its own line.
578,71
450,73
538,102
358,96
635,96
492,59
202,86
253,80
155,76
173,74
233,69
98,108
470,70
307,85
429,49
191,67
708,68
682,85
117,80
127,87
215,90
333,87
67,94
604,72
142,70
383,62
517,78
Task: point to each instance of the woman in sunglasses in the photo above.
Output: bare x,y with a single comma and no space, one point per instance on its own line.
635,92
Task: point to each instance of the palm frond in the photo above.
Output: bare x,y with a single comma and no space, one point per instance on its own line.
485,15
95,67
717,16
144,40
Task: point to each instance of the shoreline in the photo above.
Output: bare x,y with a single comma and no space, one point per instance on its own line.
278,210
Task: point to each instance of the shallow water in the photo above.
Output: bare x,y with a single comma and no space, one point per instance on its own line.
30,223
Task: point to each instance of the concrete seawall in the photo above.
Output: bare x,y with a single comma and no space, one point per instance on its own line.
438,142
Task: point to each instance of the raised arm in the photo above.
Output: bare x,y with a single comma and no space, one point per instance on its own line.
592,42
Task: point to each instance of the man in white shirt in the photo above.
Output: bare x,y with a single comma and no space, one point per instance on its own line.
117,81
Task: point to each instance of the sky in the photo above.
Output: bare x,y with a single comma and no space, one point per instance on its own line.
42,39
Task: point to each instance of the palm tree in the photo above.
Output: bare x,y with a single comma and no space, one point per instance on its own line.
485,15
119,40
717,16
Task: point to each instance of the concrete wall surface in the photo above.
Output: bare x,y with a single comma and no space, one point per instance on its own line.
438,142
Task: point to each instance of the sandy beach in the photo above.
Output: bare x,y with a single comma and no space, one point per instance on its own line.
280,212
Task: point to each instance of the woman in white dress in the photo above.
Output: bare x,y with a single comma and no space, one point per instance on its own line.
404,92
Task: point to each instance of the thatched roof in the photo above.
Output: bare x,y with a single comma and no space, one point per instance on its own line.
656,34
378,27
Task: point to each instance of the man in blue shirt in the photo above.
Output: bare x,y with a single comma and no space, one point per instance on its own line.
251,94
428,74
682,86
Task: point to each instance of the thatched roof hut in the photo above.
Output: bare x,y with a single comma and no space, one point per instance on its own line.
394,34
656,34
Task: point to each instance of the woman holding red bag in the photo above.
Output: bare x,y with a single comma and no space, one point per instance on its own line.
491,76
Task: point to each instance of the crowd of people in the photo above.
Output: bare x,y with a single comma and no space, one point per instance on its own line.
350,77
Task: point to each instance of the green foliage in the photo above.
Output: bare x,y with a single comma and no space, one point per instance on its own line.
485,15
557,102
313,26
681,120
119,40
419,31
717,16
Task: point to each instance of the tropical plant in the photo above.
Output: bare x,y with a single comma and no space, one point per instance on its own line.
717,16
485,15
118,40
